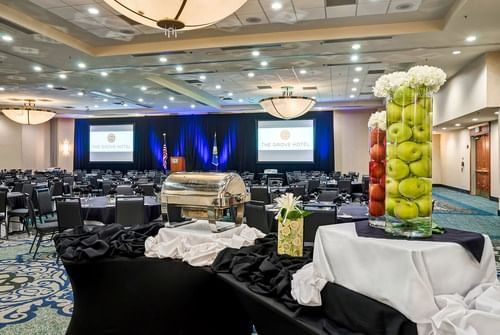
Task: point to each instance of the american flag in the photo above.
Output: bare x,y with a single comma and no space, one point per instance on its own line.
165,153
215,152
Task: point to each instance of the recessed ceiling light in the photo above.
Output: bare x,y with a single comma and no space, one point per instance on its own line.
303,71
37,68
457,124
356,46
108,90
179,68
7,38
125,105
218,87
240,100
163,59
80,93
355,80
193,106
2,89
352,96
444,128
104,74
264,63
358,69
276,5
140,99
203,77
165,107
314,97
82,65
63,76
471,38
171,98
251,74
456,52
143,88
96,106
93,10
256,53
475,119
354,89
354,58
50,86
105,100
496,113
230,94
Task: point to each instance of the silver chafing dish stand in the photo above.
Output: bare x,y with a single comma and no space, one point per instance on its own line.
187,196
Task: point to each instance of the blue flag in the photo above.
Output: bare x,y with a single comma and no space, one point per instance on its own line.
215,152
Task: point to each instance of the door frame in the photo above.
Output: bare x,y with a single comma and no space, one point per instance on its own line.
479,130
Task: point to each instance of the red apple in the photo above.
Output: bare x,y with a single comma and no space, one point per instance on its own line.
374,180
376,208
377,136
382,181
377,152
377,170
377,192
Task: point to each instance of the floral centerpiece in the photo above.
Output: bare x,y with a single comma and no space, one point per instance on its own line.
290,225
408,203
376,186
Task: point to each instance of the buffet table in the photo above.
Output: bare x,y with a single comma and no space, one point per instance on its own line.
103,210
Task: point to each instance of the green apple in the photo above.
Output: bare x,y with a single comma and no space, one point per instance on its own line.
422,168
391,187
404,95
394,112
428,185
422,132
414,114
409,151
399,132
390,203
412,187
426,104
424,204
391,151
426,149
406,210
397,169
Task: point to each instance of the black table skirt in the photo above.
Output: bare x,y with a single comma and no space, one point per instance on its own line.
151,296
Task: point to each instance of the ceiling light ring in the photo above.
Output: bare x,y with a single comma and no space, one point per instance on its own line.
26,117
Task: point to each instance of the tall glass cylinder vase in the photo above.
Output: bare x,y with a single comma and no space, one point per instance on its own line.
376,189
408,204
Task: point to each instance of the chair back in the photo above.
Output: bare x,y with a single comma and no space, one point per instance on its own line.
31,211
328,196
297,190
70,180
3,202
106,186
255,213
260,193
317,219
124,190
345,186
148,189
44,202
312,185
28,189
69,213
57,189
18,187
365,180
129,211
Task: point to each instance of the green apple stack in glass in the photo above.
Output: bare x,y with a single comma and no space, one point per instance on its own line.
408,203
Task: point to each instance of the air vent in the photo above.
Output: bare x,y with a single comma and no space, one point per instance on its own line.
307,88
118,103
159,54
16,27
344,64
376,71
252,47
374,38
129,20
365,93
60,88
68,107
193,81
227,99
253,19
334,3
266,87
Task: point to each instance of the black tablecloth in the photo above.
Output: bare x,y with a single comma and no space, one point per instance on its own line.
356,211
99,209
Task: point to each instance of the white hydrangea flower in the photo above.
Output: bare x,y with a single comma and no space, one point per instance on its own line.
377,120
429,76
388,83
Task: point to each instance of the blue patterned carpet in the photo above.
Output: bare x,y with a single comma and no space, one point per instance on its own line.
36,296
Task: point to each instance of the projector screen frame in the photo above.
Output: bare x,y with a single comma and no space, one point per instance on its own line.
133,143
284,162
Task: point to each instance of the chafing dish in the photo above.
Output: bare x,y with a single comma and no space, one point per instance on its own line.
187,196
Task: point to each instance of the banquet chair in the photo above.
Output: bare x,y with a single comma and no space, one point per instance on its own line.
41,229
129,211
312,185
148,189
124,190
327,196
69,213
344,186
317,219
297,190
3,211
28,189
57,189
256,216
106,186
45,206
18,187
21,213
260,193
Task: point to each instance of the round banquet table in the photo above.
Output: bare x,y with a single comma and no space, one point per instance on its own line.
101,209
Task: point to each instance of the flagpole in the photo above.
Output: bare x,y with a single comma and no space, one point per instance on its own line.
165,163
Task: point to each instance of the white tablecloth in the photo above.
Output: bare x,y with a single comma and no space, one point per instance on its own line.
406,275
196,244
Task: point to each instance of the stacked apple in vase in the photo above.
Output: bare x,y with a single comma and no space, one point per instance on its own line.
408,205
376,188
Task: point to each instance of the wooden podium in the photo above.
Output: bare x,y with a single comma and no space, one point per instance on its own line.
177,164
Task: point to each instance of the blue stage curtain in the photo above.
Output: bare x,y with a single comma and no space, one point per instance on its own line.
191,136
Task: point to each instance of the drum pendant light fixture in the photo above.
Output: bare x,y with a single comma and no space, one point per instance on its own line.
29,114
176,15
287,106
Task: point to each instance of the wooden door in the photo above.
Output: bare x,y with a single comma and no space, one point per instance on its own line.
483,165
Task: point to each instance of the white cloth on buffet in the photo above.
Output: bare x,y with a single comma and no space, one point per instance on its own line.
196,244
423,280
